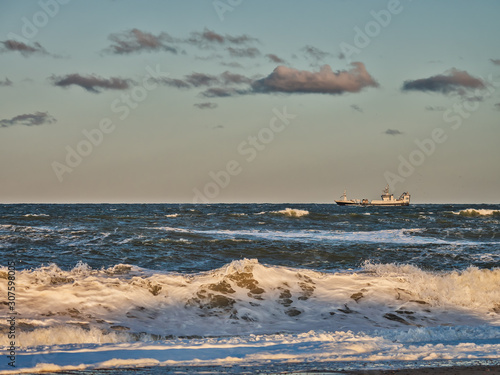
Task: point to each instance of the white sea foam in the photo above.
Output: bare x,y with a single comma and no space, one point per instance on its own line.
247,297
293,212
312,346
172,215
392,236
251,313
36,215
477,212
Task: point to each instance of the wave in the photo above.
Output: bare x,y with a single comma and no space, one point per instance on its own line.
36,215
291,212
243,297
474,212
392,236
172,215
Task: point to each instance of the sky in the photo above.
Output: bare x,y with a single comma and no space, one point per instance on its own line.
249,101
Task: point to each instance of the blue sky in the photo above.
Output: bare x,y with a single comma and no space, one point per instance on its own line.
248,101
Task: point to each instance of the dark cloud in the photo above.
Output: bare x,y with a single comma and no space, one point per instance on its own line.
228,78
177,83
243,52
454,81
206,105
289,80
201,79
357,108
30,119
213,56
435,108
232,64
23,48
314,54
222,92
273,58
6,82
393,132
139,41
241,39
209,39
212,36
91,83
497,106
495,61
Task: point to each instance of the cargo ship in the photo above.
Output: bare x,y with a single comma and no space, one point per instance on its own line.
387,200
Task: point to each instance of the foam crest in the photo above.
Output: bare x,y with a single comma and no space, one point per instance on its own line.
472,288
241,298
292,212
474,212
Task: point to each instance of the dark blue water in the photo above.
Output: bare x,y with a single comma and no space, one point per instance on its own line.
192,238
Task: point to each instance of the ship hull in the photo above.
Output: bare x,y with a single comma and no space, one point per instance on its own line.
347,203
386,204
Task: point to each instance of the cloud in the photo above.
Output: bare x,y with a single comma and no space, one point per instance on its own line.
201,79
251,52
289,80
233,78
435,108
497,106
30,119
136,40
273,58
206,105
223,92
23,48
172,82
232,64
209,39
357,108
213,56
6,82
393,132
454,81
495,61
314,54
91,83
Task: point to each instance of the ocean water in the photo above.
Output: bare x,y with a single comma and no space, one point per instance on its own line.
248,287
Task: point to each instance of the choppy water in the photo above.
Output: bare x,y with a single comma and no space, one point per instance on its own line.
179,283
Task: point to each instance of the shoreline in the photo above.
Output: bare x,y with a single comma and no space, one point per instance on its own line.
452,370
288,369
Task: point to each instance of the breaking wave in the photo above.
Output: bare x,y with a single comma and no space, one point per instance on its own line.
473,212
125,303
293,212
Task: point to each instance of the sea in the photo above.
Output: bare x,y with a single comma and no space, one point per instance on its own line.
247,288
